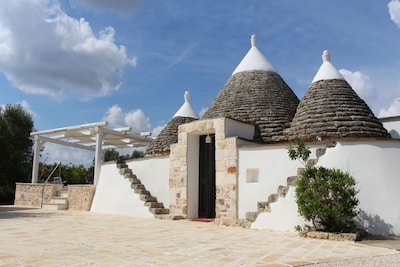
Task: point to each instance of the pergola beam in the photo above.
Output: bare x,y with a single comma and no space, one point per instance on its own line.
92,136
66,143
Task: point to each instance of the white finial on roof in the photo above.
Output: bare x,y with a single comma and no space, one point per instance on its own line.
186,109
186,96
253,40
326,56
253,60
327,71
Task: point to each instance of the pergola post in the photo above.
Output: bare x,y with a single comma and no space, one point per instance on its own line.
36,154
98,160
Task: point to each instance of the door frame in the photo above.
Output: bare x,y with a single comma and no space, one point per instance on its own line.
207,177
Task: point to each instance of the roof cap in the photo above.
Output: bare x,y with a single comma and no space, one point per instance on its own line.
327,71
186,109
254,59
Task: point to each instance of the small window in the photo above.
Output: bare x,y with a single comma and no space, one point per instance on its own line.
252,175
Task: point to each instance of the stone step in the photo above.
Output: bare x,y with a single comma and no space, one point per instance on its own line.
138,186
159,211
122,165
162,216
311,162
59,200
50,206
63,193
135,181
154,204
148,198
282,191
251,215
142,191
262,206
273,198
124,171
130,175
292,180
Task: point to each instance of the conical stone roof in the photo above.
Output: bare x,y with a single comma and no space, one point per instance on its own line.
255,93
332,109
169,135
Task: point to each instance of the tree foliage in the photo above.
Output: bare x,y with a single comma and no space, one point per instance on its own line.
299,151
15,149
325,196
70,173
78,174
112,154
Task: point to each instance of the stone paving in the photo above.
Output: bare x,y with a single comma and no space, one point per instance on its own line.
36,237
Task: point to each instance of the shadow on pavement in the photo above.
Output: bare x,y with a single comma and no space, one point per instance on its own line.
391,242
12,212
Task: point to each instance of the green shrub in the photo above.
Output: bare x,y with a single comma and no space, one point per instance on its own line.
327,198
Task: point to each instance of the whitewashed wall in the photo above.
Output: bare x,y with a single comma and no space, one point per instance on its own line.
375,166
274,167
114,195
284,215
154,174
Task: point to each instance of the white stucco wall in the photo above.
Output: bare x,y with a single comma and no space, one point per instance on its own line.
373,164
240,129
283,217
274,167
114,195
154,174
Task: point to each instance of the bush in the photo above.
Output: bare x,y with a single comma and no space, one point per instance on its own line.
327,198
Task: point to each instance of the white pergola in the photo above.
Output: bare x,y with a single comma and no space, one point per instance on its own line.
93,137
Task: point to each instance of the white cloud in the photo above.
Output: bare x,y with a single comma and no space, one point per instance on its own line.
27,107
157,130
45,51
392,110
136,119
394,11
121,7
361,83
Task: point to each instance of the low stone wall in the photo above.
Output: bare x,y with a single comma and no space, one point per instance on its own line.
80,197
30,195
332,236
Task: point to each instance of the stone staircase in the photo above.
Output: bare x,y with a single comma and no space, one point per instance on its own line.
59,201
155,207
264,206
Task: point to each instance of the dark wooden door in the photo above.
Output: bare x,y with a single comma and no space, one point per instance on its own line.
207,178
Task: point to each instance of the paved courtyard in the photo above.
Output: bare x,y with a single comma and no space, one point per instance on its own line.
36,237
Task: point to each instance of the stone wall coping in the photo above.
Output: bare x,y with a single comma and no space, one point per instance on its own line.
36,184
80,185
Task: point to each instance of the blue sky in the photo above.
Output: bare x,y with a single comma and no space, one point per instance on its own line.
72,62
